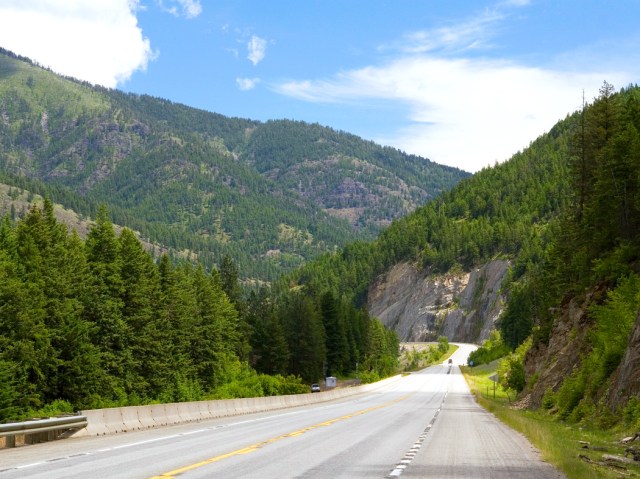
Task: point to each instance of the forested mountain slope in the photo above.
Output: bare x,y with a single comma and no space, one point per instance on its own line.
271,195
504,211
565,213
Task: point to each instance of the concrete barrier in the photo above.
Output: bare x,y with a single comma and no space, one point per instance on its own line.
159,414
117,420
130,419
145,417
113,421
95,423
172,415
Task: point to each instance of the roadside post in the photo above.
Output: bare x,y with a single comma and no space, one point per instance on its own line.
494,378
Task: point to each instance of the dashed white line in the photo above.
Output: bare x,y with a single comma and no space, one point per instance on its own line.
408,457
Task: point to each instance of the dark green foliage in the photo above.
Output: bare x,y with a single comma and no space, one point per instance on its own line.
337,346
443,344
511,369
89,323
98,324
603,217
9,395
305,336
492,349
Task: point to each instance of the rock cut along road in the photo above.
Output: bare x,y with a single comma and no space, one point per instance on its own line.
424,425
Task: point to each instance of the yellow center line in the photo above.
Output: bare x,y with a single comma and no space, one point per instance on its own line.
255,447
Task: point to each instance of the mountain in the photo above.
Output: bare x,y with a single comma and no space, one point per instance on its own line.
270,195
502,212
544,248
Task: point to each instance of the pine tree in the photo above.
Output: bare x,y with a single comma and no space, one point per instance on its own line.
9,395
336,337
269,349
140,311
103,306
214,335
305,337
179,310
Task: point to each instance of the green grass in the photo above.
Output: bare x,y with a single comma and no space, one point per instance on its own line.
560,444
415,358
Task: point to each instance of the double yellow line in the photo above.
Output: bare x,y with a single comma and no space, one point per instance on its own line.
255,447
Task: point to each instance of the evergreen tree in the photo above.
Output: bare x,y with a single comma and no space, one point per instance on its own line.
228,277
9,396
140,299
337,345
103,307
305,337
214,335
269,349
80,373
179,309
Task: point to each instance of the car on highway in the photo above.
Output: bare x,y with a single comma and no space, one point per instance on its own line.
315,388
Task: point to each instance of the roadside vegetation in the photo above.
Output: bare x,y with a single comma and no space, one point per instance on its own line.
579,450
416,356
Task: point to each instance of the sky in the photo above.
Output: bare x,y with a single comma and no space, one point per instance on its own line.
464,83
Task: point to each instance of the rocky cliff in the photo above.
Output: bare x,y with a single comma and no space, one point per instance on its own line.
552,362
626,380
421,306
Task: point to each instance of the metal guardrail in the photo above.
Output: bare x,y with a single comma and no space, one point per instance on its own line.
40,430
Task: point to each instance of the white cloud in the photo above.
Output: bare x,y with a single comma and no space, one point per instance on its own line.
187,8
257,48
472,34
97,41
247,83
461,112
461,109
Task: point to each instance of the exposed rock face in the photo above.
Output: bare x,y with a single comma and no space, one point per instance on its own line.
568,344
552,363
626,381
421,307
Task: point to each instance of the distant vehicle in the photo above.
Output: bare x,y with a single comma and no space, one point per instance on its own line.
315,388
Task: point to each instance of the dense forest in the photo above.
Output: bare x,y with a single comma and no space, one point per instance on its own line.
271,195
97,323
594,253
566,212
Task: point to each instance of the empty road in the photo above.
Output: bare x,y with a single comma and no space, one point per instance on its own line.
422,425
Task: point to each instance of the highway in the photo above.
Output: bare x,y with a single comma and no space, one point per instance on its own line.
425,424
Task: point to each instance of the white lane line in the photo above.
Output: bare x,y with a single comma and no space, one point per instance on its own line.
164,438
408,457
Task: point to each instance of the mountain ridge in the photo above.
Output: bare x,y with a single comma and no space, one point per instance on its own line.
197,180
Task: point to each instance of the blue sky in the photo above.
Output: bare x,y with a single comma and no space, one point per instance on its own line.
463,83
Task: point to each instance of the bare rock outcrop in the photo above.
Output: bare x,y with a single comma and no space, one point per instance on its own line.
552,362
626,381
420,306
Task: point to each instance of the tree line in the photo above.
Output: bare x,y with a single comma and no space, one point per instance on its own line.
98,322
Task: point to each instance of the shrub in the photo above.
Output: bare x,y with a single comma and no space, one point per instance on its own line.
511,369
492,349
53,409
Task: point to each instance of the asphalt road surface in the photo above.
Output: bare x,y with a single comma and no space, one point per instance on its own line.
422,425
